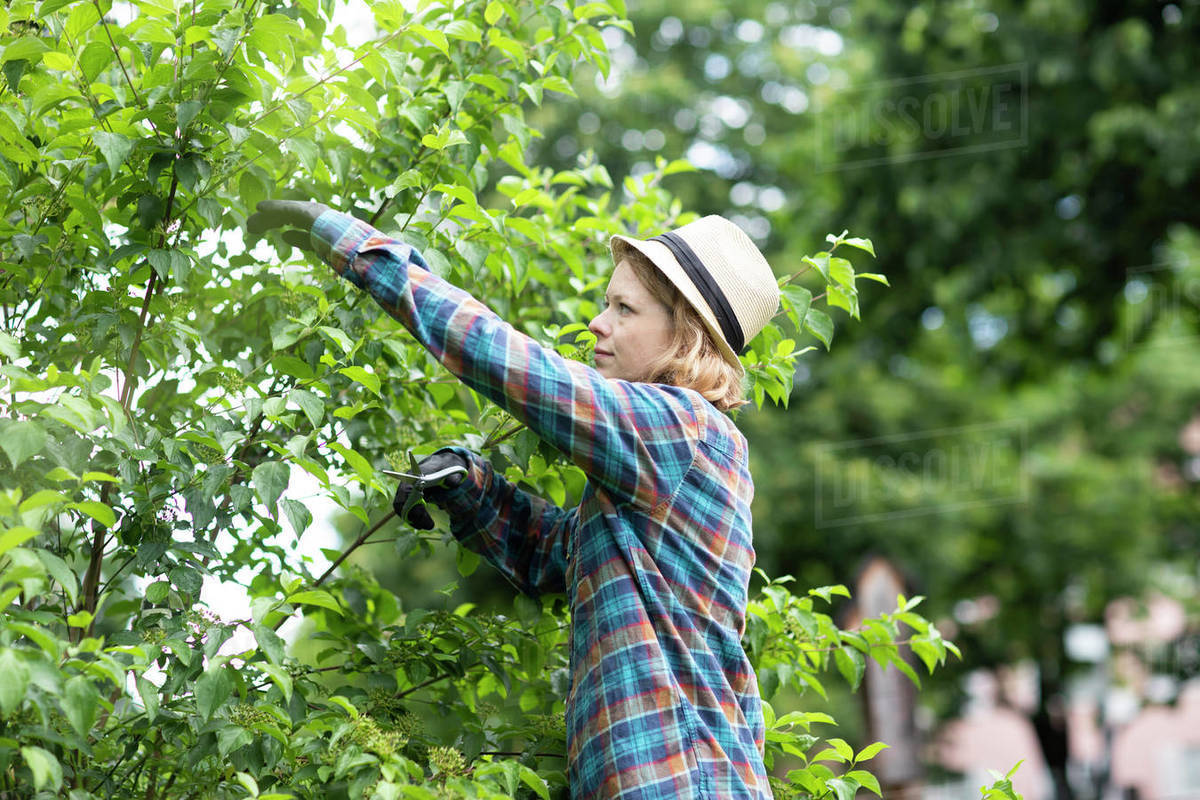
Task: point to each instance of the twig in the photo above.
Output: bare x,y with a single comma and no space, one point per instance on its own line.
357,543
129,81
127,390
423,684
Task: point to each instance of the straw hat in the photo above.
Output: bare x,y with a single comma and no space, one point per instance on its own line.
720,271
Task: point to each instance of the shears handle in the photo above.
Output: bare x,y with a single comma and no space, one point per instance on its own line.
430,479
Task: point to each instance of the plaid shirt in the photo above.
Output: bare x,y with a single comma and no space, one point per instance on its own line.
655,561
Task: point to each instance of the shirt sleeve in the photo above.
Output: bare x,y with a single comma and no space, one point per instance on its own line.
522,535
635,440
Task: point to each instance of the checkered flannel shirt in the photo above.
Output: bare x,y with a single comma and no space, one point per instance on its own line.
655,561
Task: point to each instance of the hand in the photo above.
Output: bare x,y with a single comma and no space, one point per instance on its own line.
418,515
300,214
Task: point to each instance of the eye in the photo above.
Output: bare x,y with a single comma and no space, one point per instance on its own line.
623,308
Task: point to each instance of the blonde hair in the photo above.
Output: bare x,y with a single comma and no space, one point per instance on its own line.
692,359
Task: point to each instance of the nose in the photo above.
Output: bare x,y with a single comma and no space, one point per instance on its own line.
599,325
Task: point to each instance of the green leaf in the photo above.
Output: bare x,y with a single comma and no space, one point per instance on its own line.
339,336
869,752
473,252
299,517
821,262
361,376
47,772
149,694
79,704
213,688
280,677
58,61
21,439
94,58
362,468
97,511
493,12
310,404
114,147
10,348
464,29
187,579
829,754
874,276
851,663
535,782
270,479
27,48
14,683
434,37
826,593
185,112
15,537
843,748
861,244
233,737
158,591
316,597
270,643
80,619
61,572
841,271
820,325
466,560
903,666
865,780
50,6
248,783
843,788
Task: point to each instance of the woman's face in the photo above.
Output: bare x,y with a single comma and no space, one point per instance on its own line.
633,328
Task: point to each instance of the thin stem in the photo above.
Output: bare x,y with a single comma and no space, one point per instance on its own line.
322,81
127,389
423,684
357,543
793,276
91,579
129,81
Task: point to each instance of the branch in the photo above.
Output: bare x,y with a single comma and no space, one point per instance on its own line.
357,543
91,578
129,81
793,277
423,684
127,390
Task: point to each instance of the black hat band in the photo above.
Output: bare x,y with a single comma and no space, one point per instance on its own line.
708,287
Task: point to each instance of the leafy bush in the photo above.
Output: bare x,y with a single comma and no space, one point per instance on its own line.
164,387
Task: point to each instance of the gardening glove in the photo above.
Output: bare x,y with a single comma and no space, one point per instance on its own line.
274,214
433,471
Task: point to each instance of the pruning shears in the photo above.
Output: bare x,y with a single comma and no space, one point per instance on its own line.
419,482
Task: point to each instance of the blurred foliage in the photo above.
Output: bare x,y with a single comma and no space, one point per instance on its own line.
1028,173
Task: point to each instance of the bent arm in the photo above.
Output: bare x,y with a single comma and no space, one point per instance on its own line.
522,535
636,440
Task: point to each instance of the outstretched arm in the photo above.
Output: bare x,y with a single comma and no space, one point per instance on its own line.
634,440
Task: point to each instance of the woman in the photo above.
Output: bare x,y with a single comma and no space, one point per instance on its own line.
656,559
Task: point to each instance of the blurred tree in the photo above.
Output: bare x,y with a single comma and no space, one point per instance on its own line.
1028,174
